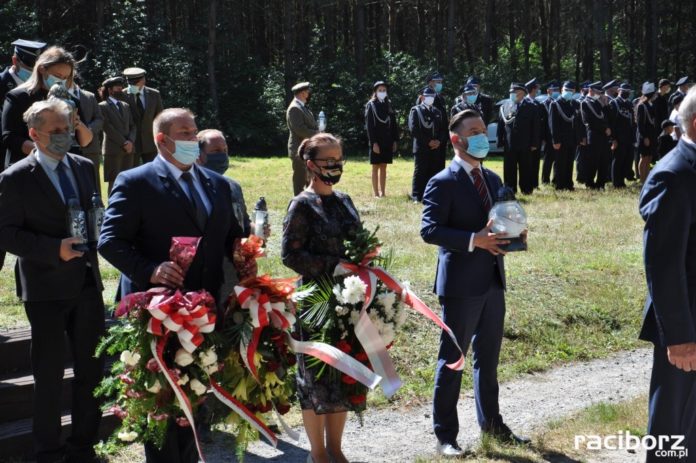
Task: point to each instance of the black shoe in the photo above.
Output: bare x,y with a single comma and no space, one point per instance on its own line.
502,433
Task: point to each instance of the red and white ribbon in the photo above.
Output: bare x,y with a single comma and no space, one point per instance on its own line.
367,333
188,319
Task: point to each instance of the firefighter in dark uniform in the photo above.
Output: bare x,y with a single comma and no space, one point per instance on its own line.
647,129
623,128
594,114
434,81
566,131
428,126
661,103
532,92
518,134
611,90
553,92
581,150
23,59
682,85
484,102
467,101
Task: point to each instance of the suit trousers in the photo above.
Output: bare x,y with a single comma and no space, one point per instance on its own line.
178,446
426,165
83,321
479,321
623,155
563,167
598,161
672,407
519,160
549,160
300,176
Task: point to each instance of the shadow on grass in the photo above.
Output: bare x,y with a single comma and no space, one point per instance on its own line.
513,457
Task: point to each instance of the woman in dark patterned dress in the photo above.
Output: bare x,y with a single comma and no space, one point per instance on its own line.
318,221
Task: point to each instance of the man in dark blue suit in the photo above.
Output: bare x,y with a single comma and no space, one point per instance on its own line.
170,196
668,206
470,281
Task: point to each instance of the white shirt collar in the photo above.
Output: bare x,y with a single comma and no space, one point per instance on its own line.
466,165
113,100
49,162
175,171
299,102
688,140
16,78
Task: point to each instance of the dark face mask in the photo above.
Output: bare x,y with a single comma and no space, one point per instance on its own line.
329,175
624,95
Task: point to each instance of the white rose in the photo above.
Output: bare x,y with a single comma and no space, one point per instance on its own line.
208,357
183,380
183,358
155,388
197,387
130,358
127,436
210,369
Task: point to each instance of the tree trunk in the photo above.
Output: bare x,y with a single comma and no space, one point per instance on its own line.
588,55
490,51
512,35
212,22
392,26
651,39
360,39
289,59
451,7
544,34
422,18
599,16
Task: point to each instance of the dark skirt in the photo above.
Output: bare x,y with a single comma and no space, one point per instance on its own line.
386,156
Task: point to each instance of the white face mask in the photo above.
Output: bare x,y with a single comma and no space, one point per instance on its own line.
381,95
429,100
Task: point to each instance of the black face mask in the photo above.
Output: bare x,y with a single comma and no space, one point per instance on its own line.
329,176
624,95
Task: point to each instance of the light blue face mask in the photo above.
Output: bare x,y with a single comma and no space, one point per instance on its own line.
555,95
471,99
438,87
478,145
52,80
567,95
513,97
132,89
23,74
186,152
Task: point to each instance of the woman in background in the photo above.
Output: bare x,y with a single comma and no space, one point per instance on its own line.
382,135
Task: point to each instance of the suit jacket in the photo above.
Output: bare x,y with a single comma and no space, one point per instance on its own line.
14,129
419,118
452,212
147,207
91,116
668,206
144,139
596,118
522,129
118,127
301,125
33,223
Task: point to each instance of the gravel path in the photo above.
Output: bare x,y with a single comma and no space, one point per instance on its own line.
527,403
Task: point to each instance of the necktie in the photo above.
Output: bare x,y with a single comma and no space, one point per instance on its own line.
141,107
196,201
65,183
481,188
119,107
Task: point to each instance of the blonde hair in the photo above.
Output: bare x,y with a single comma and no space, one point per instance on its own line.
50,57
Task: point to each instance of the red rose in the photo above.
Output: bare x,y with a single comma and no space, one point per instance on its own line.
348,379
283,408
272,366
265,408
344,346
291,359
361,357
357,399
152,366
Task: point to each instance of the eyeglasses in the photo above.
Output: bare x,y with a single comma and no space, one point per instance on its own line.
332,162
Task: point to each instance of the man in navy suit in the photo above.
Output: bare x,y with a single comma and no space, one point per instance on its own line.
470,281
668,206
170,196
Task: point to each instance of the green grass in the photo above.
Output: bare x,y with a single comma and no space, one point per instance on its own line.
576,294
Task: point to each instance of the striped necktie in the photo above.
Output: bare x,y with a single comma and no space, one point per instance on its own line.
481,188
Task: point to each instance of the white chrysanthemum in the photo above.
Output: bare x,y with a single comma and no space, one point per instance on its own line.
337,293
212,368
183,380
354,290
341,310
401,316
197,387
155,388
208,357
183,358
354,317
127,436
130,358
388,334
387,300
